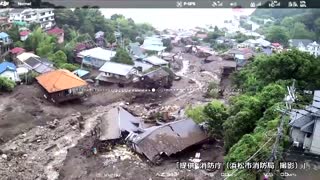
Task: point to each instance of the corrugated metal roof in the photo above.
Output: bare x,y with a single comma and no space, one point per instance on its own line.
153,47
98,53
144,66
169,138
116,68
115,121
156,60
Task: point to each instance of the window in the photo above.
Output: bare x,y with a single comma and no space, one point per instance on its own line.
47,18
28,16
42,14
308,135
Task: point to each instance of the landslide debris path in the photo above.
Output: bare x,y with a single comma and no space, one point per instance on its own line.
40,152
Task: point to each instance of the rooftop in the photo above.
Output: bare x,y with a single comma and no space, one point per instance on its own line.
17,50
59,80
26,55
153,47
55,31
116,68
3,35
169,138
80,72
98,53
24,33
154,60
7,66
115,121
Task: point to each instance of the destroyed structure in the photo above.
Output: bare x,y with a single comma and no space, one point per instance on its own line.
167,139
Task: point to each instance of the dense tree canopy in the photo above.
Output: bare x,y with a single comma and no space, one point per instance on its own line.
253,116
298,23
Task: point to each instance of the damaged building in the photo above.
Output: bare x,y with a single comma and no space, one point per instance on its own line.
167,139
118,123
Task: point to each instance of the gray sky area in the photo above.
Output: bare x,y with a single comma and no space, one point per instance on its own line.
177,18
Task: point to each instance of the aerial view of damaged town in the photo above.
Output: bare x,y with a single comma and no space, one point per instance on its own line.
140,94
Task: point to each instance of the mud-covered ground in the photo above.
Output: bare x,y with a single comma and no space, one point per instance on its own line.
122,163
31,149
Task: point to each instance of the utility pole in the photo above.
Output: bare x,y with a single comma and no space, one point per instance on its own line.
289,100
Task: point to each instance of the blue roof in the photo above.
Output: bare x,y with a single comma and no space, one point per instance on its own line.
267,51
80,72
3,35
7,66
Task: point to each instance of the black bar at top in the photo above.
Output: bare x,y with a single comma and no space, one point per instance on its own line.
179,4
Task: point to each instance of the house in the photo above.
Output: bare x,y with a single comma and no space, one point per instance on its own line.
153,44
38,65
156,61
201,36
136,51
24,35
57,32
314,49
95,57
45,17
142,66
24,56
241,55
155,48
9,71
167,139
113,72
305,126
16,51
5,43
223,39
117,123
81,73
155,79
61,85
300,44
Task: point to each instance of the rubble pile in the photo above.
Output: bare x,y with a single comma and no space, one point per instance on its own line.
152,111
39,153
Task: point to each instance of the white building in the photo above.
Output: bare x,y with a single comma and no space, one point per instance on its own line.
314,49
96,57
45,17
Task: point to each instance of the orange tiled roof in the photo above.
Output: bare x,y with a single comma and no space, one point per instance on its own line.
59,80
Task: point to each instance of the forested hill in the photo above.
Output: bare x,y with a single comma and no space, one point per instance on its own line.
297,23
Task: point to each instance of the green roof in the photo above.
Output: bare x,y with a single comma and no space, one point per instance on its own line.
20,23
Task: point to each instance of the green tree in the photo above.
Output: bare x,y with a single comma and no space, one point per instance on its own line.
58,58
216,114
167,44
14,33
277,34
46,46
6,85
300,32
122,56
69,66
110,38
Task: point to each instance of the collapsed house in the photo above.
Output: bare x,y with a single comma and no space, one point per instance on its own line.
116,123
167,139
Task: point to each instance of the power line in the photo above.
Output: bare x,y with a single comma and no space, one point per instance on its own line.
252,156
